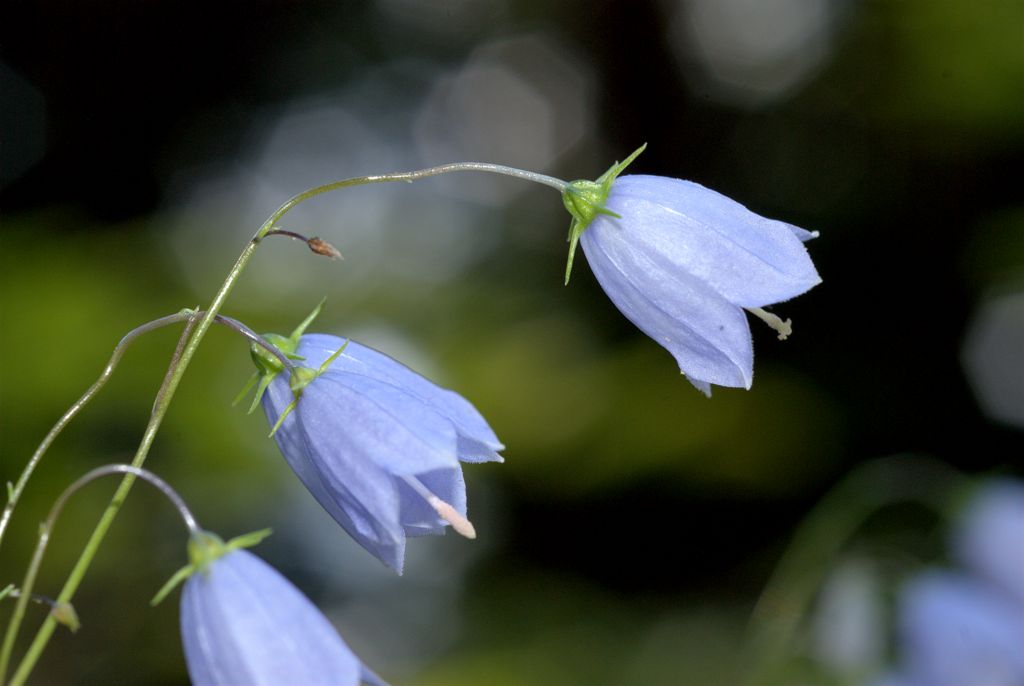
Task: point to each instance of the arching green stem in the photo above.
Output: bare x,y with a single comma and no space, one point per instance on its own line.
25,592
817,543
15,492
179,365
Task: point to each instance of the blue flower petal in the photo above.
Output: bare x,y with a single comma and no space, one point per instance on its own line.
702,386
708,335
990,536
244,623
802,234
682,263
371,678
359,359
397,431
359,494
958,632
474,451
680,225
375,456
289,436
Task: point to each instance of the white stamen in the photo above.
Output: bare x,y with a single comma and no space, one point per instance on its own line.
450,515
444,510
784,328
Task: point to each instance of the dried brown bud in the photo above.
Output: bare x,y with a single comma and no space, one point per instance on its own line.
322,247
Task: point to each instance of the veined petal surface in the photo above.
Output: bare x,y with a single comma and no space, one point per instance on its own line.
708,335
373,452
682,262
680,225
357,492
244,623
360,359
399,432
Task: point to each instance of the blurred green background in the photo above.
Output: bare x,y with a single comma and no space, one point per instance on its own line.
634,523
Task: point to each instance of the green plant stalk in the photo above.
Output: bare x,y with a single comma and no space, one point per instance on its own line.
177,370
44,533
818,541
46,529
165,395
15,492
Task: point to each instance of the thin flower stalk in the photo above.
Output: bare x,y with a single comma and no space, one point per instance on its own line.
25,591
180,365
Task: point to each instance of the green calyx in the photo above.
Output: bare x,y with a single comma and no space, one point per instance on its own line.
204,548
585,200
268,365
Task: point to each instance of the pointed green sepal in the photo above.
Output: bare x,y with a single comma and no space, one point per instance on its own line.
332,358
301,328
253,538
280,420
586,199
260,390
245,389
267,364
172,583
575,231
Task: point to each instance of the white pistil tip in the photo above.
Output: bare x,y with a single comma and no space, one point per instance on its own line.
450,515
784,328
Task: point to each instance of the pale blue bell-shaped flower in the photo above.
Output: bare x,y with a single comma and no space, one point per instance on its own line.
990,537
685,264
957,631
377,445
244,623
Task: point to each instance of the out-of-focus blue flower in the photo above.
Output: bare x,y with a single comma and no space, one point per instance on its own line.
377,445
968,630
956,631
244,623
990,538
683,262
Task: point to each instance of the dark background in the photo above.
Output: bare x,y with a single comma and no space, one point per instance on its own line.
634,524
